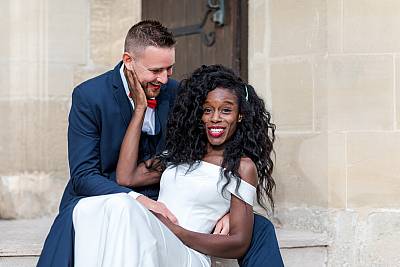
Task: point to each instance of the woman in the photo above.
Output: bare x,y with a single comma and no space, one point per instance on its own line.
217,159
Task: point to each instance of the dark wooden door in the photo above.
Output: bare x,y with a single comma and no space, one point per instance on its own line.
230,46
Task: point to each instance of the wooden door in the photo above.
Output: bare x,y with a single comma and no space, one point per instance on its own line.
230,43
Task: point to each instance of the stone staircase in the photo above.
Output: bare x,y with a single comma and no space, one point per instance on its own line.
21,242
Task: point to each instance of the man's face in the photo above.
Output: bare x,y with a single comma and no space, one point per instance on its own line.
153,66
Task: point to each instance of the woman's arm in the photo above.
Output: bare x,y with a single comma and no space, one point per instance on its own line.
128,172
237,242
128,156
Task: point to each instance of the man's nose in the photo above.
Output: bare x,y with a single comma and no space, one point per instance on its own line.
163,77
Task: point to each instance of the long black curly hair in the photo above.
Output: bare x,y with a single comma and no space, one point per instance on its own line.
186,140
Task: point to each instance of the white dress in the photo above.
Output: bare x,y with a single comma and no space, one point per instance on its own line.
116,230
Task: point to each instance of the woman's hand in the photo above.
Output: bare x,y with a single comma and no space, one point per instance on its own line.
136,90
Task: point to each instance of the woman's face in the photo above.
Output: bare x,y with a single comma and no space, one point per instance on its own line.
220,115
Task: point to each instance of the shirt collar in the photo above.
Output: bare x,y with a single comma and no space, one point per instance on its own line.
125,83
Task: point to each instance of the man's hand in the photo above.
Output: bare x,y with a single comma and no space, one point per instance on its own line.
157,208
222,227
136,90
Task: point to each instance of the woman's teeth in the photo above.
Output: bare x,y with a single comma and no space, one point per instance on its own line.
216,131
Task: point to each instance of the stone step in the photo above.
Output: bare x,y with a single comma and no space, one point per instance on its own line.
21,242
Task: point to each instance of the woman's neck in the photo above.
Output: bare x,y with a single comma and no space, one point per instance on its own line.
214,155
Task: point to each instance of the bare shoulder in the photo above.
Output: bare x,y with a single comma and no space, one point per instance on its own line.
248,171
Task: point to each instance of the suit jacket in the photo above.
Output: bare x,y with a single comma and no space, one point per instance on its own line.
99,116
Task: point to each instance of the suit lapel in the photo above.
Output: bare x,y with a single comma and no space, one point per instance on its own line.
162,109
120,96
158,113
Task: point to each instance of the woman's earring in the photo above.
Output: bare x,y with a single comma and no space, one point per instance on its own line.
240,118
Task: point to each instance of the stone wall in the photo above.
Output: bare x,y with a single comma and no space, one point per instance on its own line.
48,47
329,70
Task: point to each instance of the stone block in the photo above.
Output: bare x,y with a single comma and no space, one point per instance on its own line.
36,137
301,171
343,228
397,93
320,94
371,26
381,240
100,51
292,96
110,22
310,257
297,27
28,261
124,14
29,195
337,186
25,30
259,75
373,172
4,29
334,18
48,31
303,218
68,32
36,80
258,30
360,93
4,81
5,136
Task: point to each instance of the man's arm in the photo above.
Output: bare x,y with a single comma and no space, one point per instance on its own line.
84,150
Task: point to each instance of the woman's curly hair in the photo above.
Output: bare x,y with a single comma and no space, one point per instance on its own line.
186,140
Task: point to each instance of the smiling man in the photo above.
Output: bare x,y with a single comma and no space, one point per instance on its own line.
101,111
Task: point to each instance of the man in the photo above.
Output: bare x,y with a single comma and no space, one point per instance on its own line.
100,113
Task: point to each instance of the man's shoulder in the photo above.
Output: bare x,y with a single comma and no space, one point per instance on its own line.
99,82
170,88
172,83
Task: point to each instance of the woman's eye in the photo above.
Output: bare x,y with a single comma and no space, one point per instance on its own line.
226,110
207,110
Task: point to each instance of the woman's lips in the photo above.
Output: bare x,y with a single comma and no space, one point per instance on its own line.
216,131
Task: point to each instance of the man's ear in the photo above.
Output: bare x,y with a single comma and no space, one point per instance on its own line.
128,60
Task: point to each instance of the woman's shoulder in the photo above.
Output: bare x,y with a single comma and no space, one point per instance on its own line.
248,171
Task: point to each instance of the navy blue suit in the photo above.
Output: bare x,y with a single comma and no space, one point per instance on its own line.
99,116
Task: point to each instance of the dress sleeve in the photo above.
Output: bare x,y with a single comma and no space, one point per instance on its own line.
245,192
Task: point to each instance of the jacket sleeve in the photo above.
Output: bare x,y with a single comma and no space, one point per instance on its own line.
84,150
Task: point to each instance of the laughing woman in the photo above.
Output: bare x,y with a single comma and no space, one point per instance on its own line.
217,160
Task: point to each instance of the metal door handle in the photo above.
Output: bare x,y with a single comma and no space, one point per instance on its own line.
218,18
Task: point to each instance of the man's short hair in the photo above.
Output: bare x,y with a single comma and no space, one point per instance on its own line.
148,33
